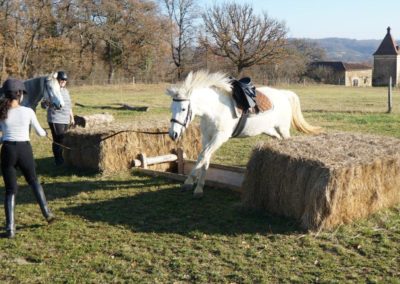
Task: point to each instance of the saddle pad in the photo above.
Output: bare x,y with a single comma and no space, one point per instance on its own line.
262,101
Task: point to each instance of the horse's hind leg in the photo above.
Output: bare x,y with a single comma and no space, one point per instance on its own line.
284,132
273,132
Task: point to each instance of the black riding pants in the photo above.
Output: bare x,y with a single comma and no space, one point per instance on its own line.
17,155
58,132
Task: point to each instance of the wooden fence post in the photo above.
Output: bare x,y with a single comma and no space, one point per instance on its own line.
390,95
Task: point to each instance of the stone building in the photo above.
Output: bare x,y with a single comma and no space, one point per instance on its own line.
342,73
386,62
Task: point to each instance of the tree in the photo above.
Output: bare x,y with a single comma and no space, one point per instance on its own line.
181,14
243,37
125,28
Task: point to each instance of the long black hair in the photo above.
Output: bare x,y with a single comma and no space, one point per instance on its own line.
5,103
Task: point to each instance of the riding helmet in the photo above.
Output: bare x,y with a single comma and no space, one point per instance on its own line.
13,85
61,75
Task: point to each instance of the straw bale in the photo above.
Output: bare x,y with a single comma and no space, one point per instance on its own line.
103,119
325,180
113,148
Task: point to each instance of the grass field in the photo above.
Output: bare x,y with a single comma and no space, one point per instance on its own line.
128,228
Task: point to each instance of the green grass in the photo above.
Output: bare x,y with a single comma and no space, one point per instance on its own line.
129,228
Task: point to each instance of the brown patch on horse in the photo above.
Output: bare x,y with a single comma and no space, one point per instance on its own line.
262,101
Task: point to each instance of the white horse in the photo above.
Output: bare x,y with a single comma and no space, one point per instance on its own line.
209,96
46,87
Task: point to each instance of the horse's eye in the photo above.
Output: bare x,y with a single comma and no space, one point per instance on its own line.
183,109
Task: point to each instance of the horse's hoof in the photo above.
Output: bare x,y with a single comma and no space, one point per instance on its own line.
186,187
197,195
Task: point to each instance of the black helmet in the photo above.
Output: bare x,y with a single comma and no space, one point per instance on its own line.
61,75
13,85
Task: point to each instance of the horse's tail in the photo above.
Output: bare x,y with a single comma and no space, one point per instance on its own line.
298,120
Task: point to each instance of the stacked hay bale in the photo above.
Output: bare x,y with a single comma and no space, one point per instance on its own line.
113,148
325,180
94,120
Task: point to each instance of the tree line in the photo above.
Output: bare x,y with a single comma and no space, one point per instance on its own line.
150,41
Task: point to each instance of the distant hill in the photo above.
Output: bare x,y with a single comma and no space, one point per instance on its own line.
348,50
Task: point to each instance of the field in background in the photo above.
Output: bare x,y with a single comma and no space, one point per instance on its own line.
132,228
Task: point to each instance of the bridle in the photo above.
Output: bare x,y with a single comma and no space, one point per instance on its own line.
188,115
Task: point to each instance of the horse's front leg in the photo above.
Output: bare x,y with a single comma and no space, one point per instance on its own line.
191,179
194,173
203,163
198,191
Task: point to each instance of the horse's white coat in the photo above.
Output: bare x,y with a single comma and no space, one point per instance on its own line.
209,97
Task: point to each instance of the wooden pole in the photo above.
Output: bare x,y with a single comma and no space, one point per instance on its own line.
390,95
145,161
181,158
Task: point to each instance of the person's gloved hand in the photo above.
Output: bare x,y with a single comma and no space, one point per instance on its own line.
44,104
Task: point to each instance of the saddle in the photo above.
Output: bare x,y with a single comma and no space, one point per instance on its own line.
247,99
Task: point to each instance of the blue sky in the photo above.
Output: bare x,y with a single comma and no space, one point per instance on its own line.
357,19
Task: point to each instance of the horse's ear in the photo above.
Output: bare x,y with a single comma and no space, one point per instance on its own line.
171,91
54,75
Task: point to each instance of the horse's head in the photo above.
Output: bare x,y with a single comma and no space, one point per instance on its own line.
52,91
182,113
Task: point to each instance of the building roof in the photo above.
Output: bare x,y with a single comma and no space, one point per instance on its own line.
388,46
342,66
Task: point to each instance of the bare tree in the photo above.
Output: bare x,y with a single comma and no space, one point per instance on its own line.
182,14
242,36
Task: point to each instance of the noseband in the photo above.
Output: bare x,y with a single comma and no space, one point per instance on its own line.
188,116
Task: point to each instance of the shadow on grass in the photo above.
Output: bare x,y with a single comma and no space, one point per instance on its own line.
158,205
174,211
46,167
62,190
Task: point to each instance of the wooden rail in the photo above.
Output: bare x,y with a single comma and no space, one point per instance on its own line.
217,175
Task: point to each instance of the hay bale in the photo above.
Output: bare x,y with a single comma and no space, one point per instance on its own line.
326,180
113,148
88,121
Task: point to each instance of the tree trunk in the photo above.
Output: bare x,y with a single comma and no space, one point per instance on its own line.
110,73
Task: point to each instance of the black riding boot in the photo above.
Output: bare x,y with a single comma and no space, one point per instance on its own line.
41,199
58,154
9,206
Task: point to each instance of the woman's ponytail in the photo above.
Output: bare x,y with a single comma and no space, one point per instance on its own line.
5,102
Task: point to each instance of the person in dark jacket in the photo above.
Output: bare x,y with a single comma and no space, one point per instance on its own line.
16,152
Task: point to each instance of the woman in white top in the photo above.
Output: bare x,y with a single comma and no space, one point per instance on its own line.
16,152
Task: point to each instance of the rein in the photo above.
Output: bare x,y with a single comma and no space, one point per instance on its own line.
188,116
112,135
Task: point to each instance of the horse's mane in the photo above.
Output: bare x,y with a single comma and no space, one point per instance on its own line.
203,79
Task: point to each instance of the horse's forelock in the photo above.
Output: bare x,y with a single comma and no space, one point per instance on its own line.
175,93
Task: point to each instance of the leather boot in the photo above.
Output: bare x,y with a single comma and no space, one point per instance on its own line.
58,154
9,206
41,199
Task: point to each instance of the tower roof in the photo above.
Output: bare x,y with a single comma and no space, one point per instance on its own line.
387,46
